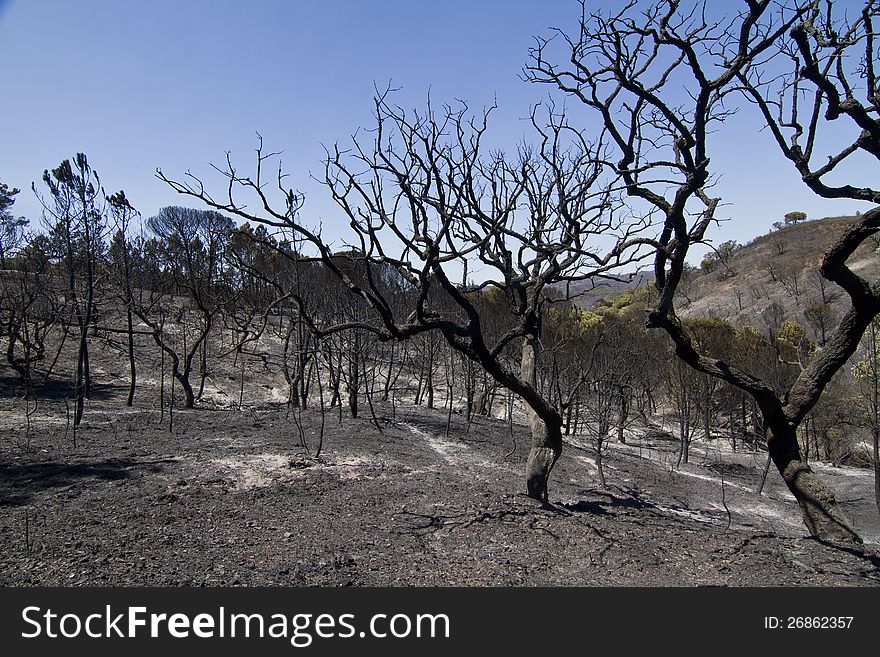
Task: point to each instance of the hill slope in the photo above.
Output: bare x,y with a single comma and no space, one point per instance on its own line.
780,268
774,276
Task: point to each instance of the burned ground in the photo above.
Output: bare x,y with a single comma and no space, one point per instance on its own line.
230,497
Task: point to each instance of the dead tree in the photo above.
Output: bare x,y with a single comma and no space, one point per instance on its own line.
602,375
121,265
12,228
75,218
187,263
422,197
28,309
266,277
867,375
662,76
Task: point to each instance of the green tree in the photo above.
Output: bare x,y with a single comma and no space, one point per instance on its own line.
796,217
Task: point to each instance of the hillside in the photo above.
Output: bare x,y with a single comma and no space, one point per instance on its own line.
781,268
775,274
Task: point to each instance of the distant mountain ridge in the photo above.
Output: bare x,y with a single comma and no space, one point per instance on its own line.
585,294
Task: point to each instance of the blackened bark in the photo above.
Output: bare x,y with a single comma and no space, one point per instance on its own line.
183,379
822,514
546,433
876,469
354,375
131,363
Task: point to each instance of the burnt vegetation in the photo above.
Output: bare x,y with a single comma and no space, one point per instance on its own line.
496,287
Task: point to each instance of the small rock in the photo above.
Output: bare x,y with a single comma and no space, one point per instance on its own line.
300,462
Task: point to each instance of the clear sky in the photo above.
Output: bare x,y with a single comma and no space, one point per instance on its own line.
176,83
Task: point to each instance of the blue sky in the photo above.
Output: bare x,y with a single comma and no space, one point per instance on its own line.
176,84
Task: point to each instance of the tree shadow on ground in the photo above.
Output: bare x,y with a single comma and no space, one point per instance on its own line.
54,390
21,482
604,507
730,469
482,429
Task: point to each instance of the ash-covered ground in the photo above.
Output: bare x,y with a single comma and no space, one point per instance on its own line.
231,497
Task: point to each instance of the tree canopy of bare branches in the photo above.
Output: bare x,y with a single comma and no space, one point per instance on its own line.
428,204
663,78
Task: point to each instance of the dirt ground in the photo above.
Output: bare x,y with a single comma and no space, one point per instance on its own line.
229,497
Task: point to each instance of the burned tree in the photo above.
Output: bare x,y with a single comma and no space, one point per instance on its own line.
27,306
424,199
121,265
662,77
12,228
831,88
184,269
75,216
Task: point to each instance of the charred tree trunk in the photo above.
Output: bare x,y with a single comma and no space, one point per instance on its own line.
305,378
183,379
80,384
470,382
430,374
876,454
203,367
389,378
546,432
481,406
162,384
418,398
623,416
684,430
354,375
707,409
88,318
131,363
336,381
285,366
600,466
13,330
822,515
304,366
